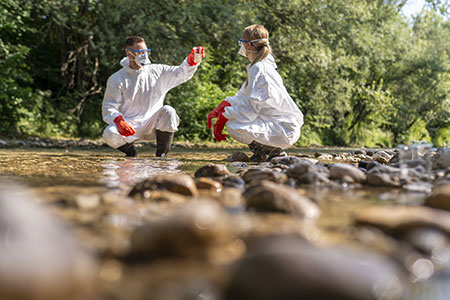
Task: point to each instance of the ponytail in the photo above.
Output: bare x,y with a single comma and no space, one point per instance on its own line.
259,36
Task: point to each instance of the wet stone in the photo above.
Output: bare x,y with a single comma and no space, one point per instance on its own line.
411,163
305,172
299,169
440,197
258,175
313,178
164,196
279,167
429,241
347,173
423,232
238,156
399,219
367,165
271,197
204,183
384,176
441,160
40,259
285,160
382,157
212,170
188,232
325,156
180,183
233,181
286,267
237,166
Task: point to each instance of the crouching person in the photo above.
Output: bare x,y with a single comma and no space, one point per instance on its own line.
261,114
133,104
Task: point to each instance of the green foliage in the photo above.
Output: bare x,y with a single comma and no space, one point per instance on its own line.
442,137
361,73
418,132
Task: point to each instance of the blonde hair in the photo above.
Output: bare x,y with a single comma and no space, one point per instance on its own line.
262,47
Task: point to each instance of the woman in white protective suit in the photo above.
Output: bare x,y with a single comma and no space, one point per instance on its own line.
261,114
133,104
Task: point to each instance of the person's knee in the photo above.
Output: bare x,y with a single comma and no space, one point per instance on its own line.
168,119
108,134
112,138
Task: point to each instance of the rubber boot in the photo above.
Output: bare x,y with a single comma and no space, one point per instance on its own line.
277,152
163,142
129,149
259,154
264,152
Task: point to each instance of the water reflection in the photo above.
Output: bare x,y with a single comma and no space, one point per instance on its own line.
125,173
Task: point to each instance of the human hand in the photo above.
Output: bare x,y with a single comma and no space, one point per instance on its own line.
196,55
216,111
124,128
218,128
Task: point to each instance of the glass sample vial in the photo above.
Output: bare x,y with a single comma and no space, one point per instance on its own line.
197,54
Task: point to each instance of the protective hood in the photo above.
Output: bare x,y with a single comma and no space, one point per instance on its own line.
270,60
125,62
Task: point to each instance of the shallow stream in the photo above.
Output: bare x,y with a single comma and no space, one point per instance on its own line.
59,177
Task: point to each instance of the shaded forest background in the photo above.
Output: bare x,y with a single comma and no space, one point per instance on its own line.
361,72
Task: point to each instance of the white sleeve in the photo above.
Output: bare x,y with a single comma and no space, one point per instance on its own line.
111,101
248,107
172,76
233,100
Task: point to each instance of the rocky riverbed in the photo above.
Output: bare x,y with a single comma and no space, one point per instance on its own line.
87,223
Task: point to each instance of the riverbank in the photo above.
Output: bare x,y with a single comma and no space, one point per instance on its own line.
83,143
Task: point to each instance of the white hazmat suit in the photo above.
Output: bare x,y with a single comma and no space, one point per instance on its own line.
263,111
138,95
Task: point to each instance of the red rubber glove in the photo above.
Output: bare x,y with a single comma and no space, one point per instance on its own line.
191,56
124,128
216,111
218,128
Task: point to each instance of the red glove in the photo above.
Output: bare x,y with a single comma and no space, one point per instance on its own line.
191,56
216,111
124,128
218,128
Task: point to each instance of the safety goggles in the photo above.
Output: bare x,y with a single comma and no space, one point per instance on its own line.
241,41
140,52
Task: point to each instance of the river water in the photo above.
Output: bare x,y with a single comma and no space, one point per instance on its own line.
60,176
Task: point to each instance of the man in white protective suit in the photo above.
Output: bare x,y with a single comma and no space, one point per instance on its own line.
133,104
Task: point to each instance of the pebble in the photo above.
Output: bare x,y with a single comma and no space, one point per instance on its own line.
271,197
212,170
347,173
180,183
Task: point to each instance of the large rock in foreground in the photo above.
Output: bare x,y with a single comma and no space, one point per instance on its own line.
39,258
188,232
289,268
398,219
440,197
